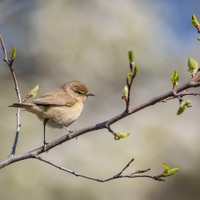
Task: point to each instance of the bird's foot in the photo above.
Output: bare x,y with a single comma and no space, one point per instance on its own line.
70,131
45,146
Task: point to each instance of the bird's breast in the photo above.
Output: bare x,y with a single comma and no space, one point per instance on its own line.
63,115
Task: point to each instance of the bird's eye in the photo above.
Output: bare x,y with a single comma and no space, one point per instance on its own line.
80,93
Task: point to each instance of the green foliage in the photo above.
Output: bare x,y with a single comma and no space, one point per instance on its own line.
125,92
169,172
193,66
131,57
13,53
136,69
166,167
119,136
194,20
34,91
183,106
129,75
175,78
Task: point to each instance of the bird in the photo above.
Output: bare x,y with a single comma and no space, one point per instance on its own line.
60,107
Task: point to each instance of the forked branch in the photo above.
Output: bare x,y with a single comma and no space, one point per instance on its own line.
136,174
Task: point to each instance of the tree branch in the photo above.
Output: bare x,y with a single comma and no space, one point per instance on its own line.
10,65
103,125
136,174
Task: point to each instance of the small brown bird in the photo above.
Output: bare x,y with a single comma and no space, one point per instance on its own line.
59,108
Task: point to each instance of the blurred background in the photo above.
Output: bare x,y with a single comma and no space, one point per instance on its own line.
64,40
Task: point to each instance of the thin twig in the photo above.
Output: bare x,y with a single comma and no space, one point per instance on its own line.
136,174
129,83
10,65
181,95
110,130
125,167
4,50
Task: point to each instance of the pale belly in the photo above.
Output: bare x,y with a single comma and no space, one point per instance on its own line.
58,116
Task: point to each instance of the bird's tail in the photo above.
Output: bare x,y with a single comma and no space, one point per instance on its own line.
22,105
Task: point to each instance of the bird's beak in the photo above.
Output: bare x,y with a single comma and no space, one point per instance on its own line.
89,94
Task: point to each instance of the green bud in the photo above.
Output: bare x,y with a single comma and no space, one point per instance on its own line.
180,110
183,106
131,57
166,168
194,20
125,92
171,172
129,75
187,102
193,66
34,91
136,69
118,136
13,53
174,78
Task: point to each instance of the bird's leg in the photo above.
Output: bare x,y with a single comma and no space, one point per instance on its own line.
70,131
45,123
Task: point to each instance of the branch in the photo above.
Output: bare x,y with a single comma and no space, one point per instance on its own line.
136,174
10,65
4,50
102,125
129,80
181,95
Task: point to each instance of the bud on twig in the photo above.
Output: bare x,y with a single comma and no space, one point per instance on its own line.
183,106
195,21
13,53
193,66
118,136
174,78
169,172
125,93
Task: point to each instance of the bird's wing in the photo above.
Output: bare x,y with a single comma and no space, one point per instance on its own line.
56,100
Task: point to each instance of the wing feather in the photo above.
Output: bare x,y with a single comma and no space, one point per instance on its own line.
56,98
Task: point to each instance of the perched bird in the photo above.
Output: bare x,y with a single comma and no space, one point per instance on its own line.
59,108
